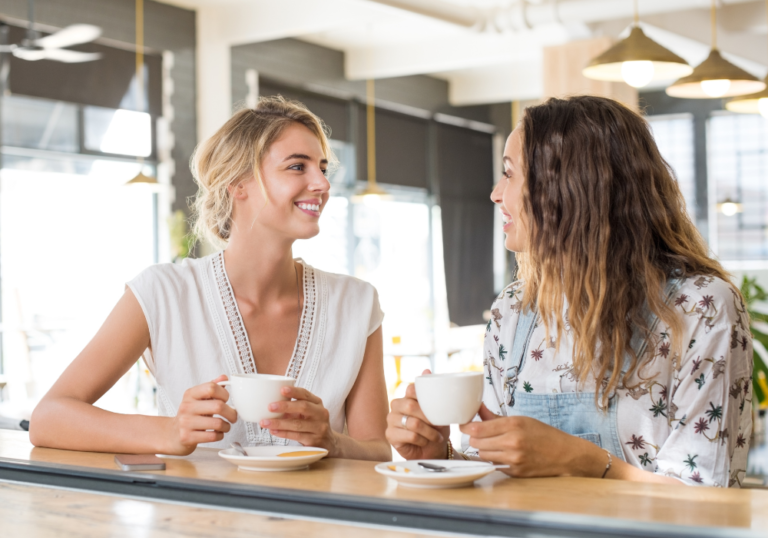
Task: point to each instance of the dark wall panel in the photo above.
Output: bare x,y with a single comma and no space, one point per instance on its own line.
103,82
334,112
401,148
465,175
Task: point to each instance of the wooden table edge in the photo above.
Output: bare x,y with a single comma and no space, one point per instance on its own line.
328,506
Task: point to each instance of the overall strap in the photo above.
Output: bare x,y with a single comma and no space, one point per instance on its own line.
639,342
526,322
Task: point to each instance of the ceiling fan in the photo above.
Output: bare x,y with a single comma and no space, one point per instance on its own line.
53,47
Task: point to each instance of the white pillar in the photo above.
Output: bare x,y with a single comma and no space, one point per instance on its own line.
214,73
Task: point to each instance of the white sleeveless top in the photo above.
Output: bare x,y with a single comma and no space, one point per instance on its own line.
196,334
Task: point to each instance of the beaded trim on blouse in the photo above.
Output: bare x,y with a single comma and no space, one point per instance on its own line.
244,351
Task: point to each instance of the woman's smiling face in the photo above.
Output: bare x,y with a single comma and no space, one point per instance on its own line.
293,172
508,194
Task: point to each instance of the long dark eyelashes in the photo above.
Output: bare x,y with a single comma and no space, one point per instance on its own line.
300,167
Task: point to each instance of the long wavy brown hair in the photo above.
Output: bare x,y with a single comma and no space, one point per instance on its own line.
607,227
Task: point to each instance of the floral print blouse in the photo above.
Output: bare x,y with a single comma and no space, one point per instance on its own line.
688,418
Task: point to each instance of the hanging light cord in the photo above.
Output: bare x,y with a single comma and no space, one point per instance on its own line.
713,17
637,14
371,126
140,55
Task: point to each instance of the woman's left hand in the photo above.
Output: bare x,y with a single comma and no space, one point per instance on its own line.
305,420
532,448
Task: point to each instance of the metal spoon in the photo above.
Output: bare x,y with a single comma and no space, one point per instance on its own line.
440,469
238,447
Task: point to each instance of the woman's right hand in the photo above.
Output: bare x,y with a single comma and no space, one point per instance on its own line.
415,438
195,422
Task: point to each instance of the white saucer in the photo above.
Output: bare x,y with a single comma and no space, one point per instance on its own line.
461,473
267,458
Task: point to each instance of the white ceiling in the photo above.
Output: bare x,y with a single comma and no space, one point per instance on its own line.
489,50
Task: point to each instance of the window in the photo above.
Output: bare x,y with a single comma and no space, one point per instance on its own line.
737,147
674,137
121,132
388,244
71,235
40,124
329,250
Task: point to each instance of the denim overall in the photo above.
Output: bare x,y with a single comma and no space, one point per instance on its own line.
574,413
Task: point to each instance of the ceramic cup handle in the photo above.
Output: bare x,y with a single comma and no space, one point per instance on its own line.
226,384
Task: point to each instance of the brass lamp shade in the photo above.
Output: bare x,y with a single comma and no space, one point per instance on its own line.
637,47
716,68
371,192
142,179
748,104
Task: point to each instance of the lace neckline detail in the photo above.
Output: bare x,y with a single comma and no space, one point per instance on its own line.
237,327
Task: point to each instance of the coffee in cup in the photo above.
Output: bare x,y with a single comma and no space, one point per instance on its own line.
251,394
449,399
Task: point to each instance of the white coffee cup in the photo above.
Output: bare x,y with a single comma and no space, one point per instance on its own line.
449,399
251,394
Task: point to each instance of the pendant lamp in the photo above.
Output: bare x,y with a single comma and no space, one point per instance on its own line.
372,193
715,77
140,178
637,60
755,103
729,207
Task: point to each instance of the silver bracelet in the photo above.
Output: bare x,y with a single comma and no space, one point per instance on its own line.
607,467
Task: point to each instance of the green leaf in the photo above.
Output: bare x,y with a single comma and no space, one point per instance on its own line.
700,381
659,408
754,293
527,386
759,316
714,412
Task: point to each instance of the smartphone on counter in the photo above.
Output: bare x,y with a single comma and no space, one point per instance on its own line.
139,462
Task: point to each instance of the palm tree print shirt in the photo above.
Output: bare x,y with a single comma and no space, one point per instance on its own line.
689,418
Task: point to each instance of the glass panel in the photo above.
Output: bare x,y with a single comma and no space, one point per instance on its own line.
737,147
387,244
674,137
39,124
343,173
122,132
392,245
328,250
84,235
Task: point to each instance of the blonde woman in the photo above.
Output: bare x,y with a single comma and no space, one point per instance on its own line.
248,308
623,351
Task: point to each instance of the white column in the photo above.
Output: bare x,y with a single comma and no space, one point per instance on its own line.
214,72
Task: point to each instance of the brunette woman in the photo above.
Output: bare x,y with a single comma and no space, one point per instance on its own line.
248,308
623,350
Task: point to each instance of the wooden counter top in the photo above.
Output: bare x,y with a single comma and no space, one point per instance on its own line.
606,502
42,511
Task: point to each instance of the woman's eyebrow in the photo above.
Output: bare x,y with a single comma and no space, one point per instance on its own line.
303,157
297,156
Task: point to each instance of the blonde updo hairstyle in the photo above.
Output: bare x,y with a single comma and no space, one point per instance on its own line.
235,153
